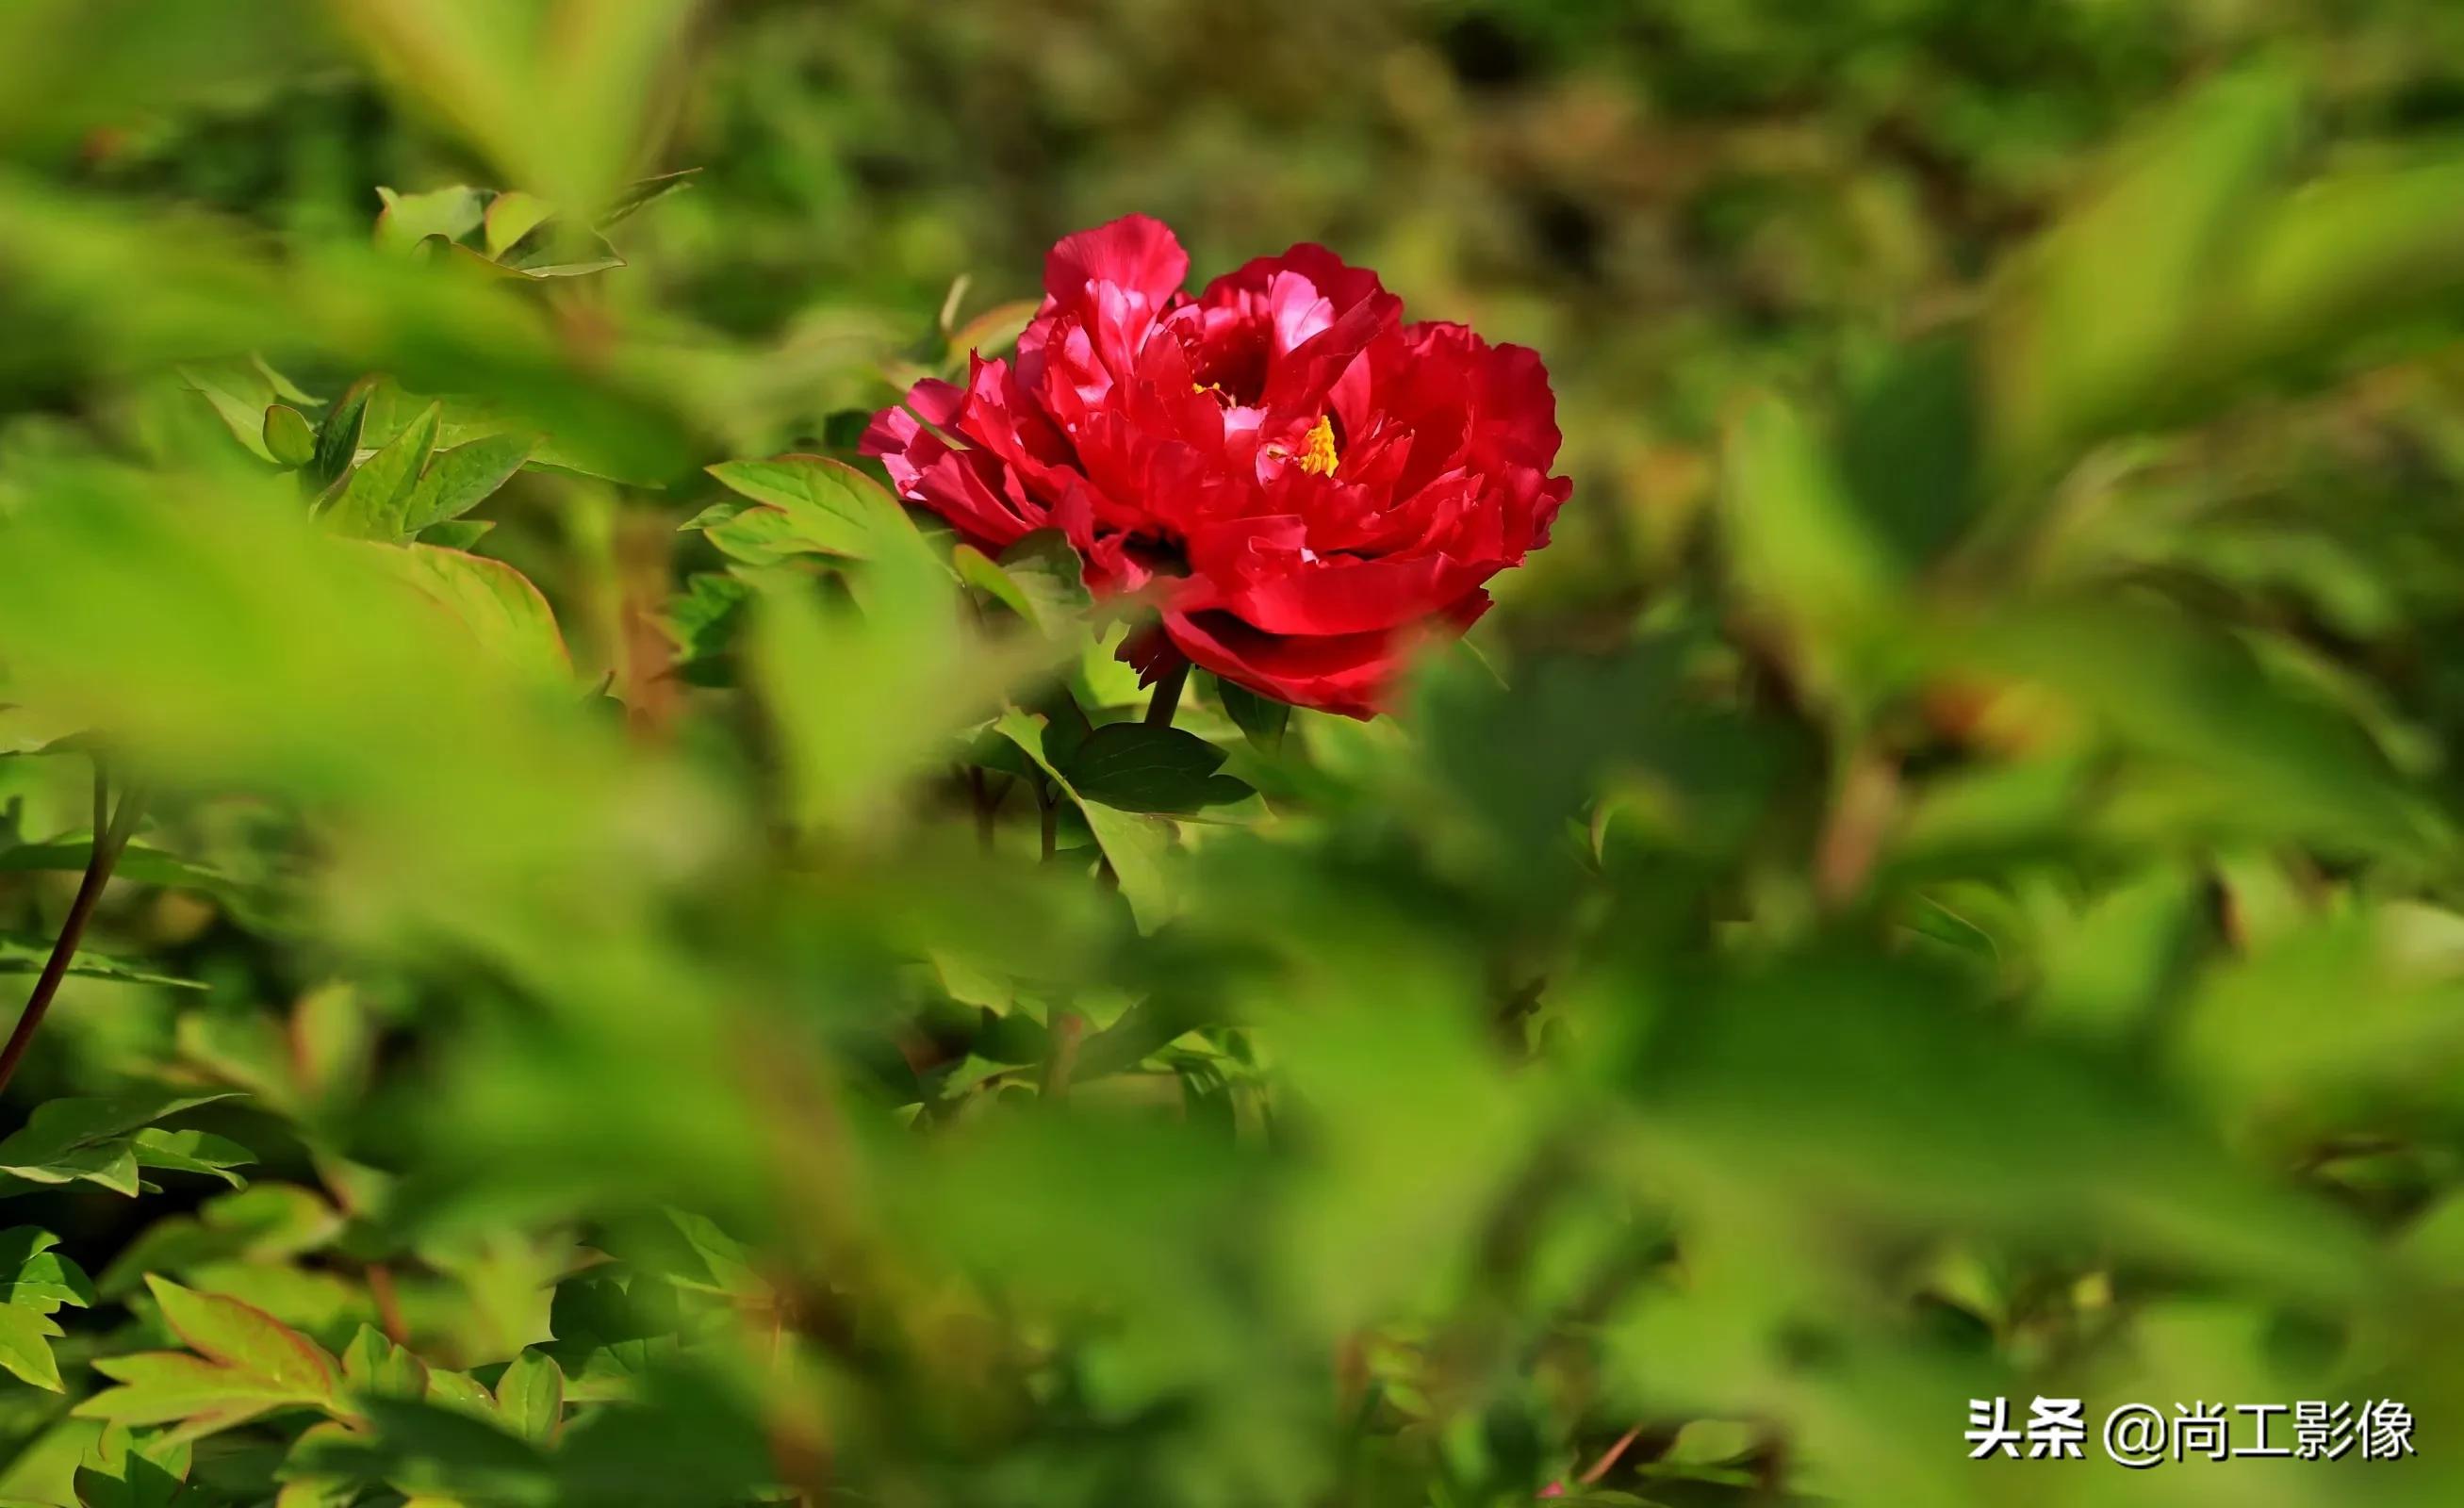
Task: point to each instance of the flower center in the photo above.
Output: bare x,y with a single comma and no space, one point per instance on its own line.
1319,457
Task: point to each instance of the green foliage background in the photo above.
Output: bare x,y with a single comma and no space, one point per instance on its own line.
643,978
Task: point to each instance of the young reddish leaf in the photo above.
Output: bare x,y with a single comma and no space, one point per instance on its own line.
497,603
246,1339
175,1388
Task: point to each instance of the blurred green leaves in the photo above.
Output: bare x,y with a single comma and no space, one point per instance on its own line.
1941,884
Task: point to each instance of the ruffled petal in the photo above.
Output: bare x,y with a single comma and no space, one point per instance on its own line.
1135,252
1341,595
1347,673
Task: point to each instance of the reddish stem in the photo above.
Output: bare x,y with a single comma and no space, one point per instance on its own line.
111,835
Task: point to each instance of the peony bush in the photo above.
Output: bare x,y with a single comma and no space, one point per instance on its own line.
667,841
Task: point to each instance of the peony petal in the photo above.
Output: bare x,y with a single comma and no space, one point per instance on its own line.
1338,281
938,403
1303,381
1343,595
1138,252
1347,673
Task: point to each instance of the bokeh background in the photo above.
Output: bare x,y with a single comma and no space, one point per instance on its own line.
1942,883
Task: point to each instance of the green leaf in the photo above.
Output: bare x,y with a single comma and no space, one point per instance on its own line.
70,1140
706,619
119,1472
1797,549
709,1261
139,862
1769,1080
1261,719
284,388
609,1337
289,438
460,534
191,1151
246,1339
1908,447
1139,848
265,1223
840,672
638,195
408,219
462,1391
337,436
375,502
1047,571
374,1366
247,1362
531,1396
511,216
458,480
2331,264
175,1388
25,1346
754,535
48,1281
240,395
831,508
27,957
2172,687
429,1448
2089,327
1133,767
551,255
977,569
496,604
34,1276
1040,578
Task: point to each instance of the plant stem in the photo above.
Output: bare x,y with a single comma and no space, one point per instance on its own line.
111,834
1068,1029
1167,696
388,1304
1601,1468
1048,804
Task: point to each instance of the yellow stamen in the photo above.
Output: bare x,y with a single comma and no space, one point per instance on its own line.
1211,387
1320,456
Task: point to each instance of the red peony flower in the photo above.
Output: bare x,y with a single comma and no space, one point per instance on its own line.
1309,483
